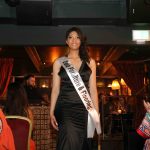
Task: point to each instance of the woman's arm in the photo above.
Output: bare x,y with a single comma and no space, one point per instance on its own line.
55,92
92,85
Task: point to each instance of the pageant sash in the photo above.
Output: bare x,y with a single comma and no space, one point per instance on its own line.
93,117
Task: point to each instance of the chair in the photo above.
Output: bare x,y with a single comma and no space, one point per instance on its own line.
21,128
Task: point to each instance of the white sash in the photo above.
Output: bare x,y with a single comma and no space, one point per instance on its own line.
93,117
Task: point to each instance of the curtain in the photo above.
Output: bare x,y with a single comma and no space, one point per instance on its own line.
6,66
133,74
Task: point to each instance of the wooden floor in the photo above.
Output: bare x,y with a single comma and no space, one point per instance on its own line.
130,141
112,143
109,143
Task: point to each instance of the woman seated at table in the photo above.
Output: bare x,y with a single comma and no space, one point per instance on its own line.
17,104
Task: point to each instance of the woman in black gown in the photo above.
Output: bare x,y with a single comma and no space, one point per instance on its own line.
67,112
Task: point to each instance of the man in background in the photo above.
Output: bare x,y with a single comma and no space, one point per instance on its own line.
32,92
30,81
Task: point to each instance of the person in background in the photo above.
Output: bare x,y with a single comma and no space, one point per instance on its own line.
17,104
46,99
144,128
30,80
6,136
68,114
29,85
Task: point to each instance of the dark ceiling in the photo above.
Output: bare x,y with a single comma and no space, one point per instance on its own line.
39,59
59,12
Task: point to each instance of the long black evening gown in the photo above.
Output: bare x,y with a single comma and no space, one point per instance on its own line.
71,114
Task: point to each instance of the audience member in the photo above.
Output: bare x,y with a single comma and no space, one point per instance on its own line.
17,104
46,99
144,128
33,94
6,136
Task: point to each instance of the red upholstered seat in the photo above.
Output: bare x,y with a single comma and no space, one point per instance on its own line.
21,128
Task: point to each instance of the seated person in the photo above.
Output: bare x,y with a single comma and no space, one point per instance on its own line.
33,94
17,104
144,128
6,136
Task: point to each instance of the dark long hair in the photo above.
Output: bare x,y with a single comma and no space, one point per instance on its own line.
17,102
83,50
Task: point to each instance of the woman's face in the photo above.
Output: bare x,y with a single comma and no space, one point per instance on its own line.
73,41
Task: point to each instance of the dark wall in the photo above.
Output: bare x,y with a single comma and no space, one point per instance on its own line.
55,35
102,22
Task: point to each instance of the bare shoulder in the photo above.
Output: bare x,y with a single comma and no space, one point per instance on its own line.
56,63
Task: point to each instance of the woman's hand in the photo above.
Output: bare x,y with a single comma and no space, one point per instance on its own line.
147,106
54,122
